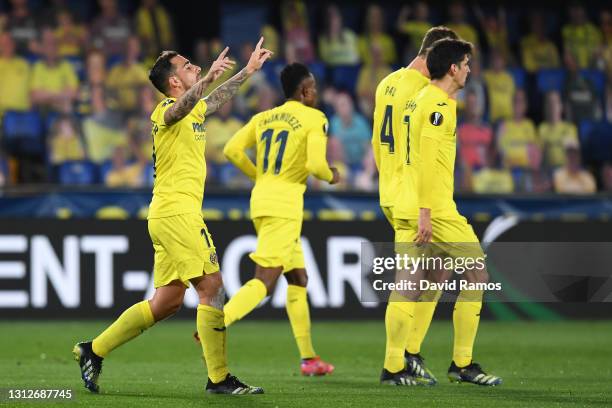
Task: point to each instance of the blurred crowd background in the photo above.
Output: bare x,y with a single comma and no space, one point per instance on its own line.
535,116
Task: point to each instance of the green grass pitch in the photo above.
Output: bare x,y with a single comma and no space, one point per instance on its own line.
552,364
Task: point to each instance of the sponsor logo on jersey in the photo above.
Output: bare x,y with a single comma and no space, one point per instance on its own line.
198,127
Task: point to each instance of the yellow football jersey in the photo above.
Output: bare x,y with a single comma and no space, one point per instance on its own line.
392,95
430,122
290,141
178,162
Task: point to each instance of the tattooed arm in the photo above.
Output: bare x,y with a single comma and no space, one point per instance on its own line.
229,88
225,92
221,94
186,102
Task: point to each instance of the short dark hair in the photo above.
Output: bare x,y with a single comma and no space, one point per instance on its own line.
162,70
445,53
434,34
292,76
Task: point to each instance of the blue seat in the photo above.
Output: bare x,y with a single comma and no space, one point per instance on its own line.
31,58
597,78
519,76
103,170
23,132
345,77
584,130
77,173
550,80
318,70
113,60
597,143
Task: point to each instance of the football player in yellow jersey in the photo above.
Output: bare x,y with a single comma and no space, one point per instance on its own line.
184,251
425,210
392,96
291,143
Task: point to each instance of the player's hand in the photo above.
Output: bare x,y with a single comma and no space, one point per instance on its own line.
335,176
425,230
219,66
258,57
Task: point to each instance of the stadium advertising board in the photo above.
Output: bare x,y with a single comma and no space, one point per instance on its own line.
93,268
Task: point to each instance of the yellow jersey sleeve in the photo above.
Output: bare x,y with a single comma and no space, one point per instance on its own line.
235,148
200,108
316,150
158,114
432,130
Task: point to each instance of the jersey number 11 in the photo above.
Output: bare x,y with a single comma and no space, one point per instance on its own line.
280,137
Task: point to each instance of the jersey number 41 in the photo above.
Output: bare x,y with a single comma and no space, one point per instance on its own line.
386,132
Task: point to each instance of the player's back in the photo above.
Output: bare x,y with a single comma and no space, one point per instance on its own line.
431,114
392,95
281,146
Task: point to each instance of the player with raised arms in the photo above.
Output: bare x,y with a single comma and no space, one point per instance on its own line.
290,142
392,96
184,250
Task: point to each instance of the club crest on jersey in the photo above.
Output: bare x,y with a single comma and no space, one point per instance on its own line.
436,118
213,258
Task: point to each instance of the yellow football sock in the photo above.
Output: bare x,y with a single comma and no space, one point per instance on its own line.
423,313
398,319
299,316
130,324
212,332
244,301
465,322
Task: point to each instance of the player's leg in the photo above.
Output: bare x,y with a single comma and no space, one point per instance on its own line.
252,293
423,315
213,337
299,317
201,269
399,313
166,300
466,314
133,321
466,317
298,312
268,257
